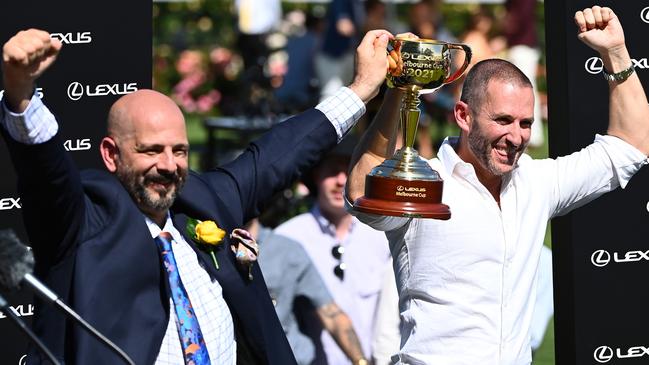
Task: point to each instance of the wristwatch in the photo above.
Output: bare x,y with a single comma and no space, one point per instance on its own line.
619,76
361,361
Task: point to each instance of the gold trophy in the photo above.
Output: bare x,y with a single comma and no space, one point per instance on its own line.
405,185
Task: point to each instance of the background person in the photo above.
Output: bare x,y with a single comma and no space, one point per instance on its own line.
350,256
334,62
291,278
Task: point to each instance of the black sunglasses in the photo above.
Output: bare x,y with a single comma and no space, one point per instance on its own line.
337,252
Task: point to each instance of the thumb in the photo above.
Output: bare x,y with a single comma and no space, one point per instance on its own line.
55,46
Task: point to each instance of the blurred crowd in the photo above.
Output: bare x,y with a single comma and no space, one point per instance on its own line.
283,59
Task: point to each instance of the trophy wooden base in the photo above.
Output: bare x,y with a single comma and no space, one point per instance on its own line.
403,198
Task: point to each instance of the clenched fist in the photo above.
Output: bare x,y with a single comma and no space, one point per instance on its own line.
24,58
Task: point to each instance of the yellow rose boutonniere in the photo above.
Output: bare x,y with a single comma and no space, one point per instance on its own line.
207,233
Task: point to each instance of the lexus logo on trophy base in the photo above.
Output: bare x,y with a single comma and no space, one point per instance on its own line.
405,185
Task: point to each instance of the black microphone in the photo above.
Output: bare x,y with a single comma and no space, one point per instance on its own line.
4,308
16,265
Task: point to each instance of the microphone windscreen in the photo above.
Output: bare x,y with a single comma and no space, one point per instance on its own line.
16,260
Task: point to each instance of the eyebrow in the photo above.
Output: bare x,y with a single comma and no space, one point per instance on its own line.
153,146
509,117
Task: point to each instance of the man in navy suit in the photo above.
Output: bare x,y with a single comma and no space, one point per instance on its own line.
95,234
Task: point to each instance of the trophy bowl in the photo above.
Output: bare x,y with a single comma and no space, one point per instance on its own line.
405,185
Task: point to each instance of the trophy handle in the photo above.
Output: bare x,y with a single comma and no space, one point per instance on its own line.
467,60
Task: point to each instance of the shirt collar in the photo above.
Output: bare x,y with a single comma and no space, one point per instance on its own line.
449,158
155,229
323,222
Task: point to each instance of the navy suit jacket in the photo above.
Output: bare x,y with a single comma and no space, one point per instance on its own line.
92,246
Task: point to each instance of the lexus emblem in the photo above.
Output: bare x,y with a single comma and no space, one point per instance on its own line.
644,14
603,354
600,258
594,65
75,91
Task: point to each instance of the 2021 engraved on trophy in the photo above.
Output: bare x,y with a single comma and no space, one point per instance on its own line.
405,185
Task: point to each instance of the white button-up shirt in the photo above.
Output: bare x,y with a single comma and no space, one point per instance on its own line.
467,286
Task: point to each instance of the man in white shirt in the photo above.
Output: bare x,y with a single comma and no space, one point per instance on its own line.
467,285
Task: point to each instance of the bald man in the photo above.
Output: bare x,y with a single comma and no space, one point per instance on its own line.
113,244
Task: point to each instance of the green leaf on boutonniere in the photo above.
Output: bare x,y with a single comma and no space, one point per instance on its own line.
191,227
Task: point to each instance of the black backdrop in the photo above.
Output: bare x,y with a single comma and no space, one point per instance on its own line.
107,47
601,256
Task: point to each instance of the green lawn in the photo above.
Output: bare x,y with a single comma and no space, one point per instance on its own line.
545,354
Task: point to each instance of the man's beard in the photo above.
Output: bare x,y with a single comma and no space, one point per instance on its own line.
136,187
481,148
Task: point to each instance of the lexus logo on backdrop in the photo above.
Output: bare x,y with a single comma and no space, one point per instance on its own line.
77,144
9,203
73,38
601,258
21,310
76,90
604,354
594,65
39,92
644,14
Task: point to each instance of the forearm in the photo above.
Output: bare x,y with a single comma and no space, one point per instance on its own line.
376,145
628,109
338,324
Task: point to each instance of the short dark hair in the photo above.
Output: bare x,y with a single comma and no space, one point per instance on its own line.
342,151
478,77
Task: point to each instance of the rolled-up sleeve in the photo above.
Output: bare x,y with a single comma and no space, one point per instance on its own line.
626,159
609,162
343,109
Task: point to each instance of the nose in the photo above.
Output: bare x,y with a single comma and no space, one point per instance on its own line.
341,178
516,135
166,162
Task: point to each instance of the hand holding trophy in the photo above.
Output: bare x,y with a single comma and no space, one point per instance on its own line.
405,185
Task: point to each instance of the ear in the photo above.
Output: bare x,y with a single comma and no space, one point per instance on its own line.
109,153
462,116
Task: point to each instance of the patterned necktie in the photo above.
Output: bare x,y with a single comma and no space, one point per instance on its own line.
191,338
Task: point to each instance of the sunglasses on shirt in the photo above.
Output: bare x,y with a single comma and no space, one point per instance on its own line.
337,252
